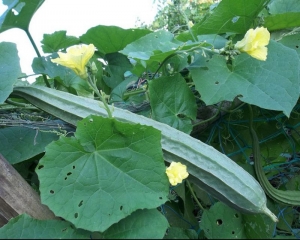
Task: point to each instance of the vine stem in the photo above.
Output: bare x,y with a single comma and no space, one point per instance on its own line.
38,54
194,195
187,23
93,85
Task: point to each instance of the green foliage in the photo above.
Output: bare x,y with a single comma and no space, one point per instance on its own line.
57,41
111,39
222,222
216,81
176,110
18,14
19,143
105,176
65,78
102,161
10,69
25,227
148,224
230,16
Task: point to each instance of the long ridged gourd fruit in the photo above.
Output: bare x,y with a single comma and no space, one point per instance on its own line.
286,197
211,170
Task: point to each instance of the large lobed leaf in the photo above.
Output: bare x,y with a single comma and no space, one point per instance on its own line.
18,14
57,41
142,224
109,170
271,84
10,68
172,102
230,16
111,39
21,143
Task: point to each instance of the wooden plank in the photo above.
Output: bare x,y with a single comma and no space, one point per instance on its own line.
17,196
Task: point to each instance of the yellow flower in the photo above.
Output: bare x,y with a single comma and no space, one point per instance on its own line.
254,43
76,58
190,23
176,172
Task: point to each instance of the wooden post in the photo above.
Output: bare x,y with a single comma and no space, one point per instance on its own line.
17,196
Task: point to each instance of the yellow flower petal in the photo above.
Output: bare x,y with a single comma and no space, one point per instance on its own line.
76,58
254,43
176,172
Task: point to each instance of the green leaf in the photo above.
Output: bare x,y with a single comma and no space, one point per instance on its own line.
281,6
282,21
230,16
117,94
214,40
153,43
222,222
286,218
18,14
292,41
25,227
111,39
109,170
179,233
258,226
142,224
118,64
172,102
57,41
271,84
20,143
65,76
10,68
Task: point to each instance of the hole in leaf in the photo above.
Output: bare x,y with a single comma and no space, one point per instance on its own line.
240,95
91,120
233,232
80,204
66,178
236,215
69,173
63,230
235,19
160,198
180,115
76,215
51,191
297,46
73,167
40,166
219,222
121,207
216,82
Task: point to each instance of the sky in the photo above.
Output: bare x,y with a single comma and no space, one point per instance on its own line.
76,17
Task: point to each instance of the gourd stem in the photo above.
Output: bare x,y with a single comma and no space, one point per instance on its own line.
38,54
94,87
194,195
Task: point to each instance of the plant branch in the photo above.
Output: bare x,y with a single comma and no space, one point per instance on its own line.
38,54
